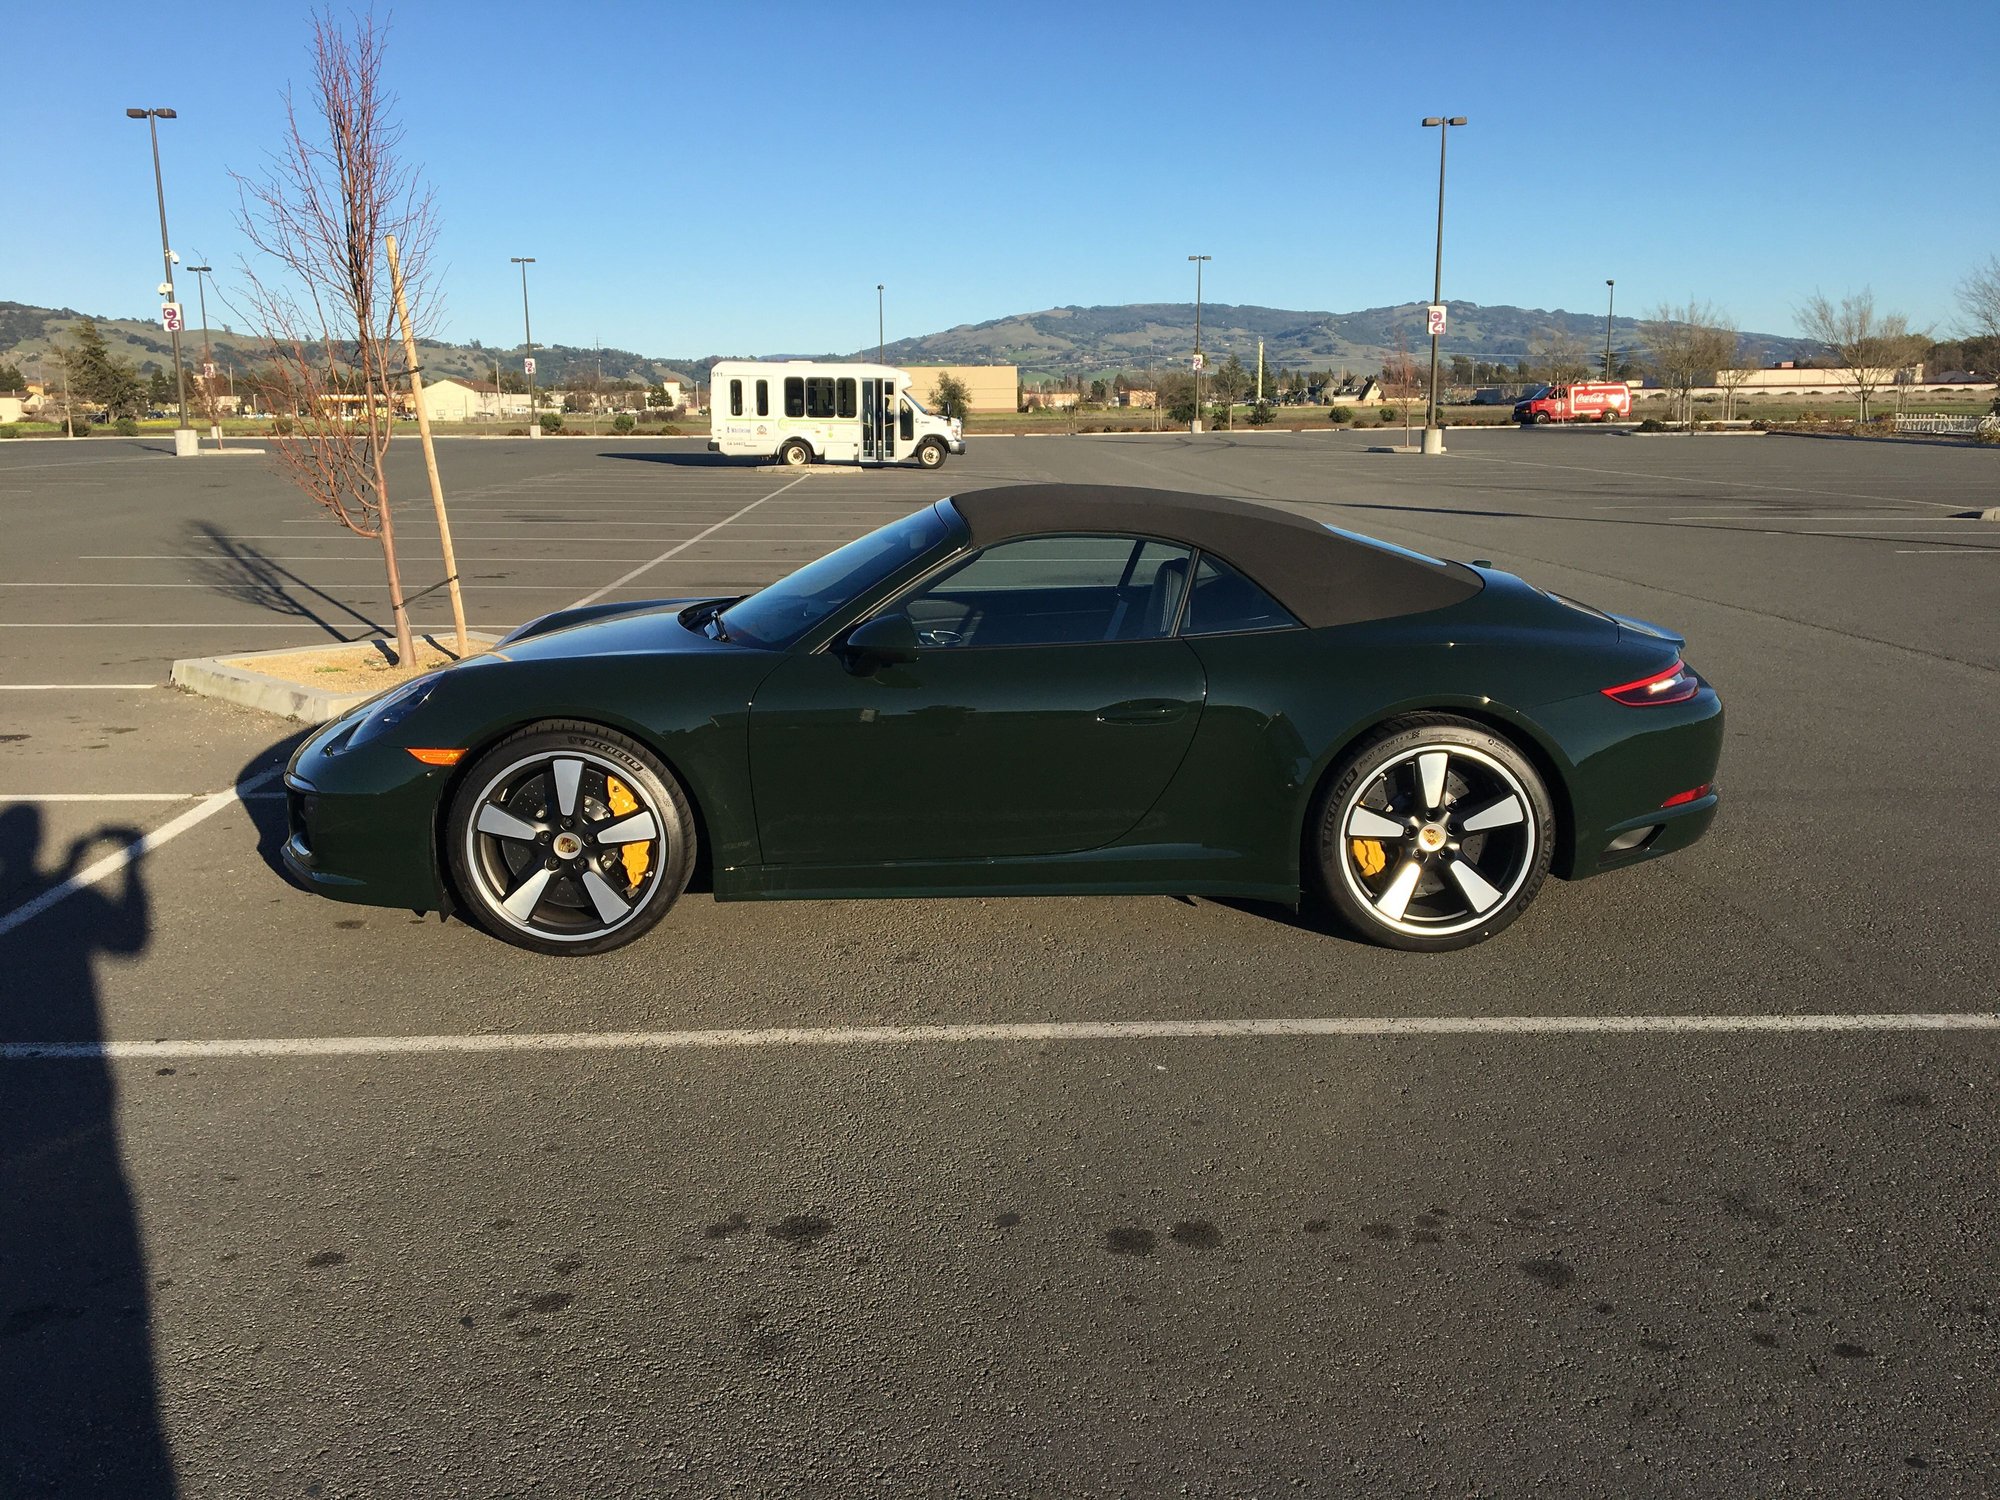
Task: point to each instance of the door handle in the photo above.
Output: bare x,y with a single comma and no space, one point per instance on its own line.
1141,711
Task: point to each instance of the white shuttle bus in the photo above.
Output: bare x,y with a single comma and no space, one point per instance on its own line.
799,411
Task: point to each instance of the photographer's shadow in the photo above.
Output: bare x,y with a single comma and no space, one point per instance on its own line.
79,1410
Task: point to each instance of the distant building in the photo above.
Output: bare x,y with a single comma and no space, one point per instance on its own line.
14,405
1145,400
454,399
988,387
1789,379
1050,400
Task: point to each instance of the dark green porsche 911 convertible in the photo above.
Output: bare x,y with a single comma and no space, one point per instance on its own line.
1033,690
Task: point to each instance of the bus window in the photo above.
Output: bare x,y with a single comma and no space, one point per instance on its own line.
819,396
735,398
763,398
847,398
909,421
795,396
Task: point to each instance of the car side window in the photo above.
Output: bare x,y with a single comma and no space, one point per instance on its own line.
1055,591
1223,600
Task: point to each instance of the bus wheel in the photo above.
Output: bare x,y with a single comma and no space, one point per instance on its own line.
930,454
795,454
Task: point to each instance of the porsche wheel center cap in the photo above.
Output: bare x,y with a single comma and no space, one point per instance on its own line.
567,846
1430,838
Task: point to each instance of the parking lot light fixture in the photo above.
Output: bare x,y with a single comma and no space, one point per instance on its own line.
1433,433
152,117
878,323
1198,261
528,336
1610,300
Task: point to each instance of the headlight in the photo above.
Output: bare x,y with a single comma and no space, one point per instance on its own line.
393,707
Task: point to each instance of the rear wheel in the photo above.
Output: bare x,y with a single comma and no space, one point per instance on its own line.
930,454
795,454
1434,834
568,838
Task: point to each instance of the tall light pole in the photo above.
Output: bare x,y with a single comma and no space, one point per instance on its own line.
152,117
1434,434
1610,300
878,323
207,390
1198,261
528,334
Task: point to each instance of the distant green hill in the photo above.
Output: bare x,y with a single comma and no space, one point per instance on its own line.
1074,340
1056,341
26,333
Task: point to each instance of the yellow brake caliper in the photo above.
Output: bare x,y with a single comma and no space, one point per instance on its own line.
637,856
1368,856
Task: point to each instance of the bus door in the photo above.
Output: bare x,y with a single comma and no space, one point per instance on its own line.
878,421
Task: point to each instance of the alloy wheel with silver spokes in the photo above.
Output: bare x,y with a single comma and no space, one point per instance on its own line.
1436,837
568,842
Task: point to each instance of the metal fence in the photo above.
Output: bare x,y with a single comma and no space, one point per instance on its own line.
1940,424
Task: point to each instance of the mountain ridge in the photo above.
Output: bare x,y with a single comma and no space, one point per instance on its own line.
1058,341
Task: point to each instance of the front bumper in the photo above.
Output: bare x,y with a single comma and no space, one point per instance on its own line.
361,824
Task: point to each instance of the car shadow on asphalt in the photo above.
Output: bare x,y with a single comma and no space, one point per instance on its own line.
689,460
81,1410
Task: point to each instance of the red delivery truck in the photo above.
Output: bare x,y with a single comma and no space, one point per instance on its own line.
1581,401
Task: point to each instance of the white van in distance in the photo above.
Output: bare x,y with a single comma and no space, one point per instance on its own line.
799,410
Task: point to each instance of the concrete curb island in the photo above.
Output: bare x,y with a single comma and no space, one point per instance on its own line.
216,677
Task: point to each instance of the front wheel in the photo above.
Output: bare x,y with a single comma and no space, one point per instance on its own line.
568,838
1435,833
930,454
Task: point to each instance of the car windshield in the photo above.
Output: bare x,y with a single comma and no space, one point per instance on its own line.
1535,392
781,613
925,410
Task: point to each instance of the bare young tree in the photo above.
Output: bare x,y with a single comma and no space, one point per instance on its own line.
1979,298
1870,348
1402,381
335,189
1686,346
1561,356
1744,362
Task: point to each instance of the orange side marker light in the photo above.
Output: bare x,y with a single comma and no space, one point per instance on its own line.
439,757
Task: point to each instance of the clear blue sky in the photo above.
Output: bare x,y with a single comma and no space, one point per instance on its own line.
736,177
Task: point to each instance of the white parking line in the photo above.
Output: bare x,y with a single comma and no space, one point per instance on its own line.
195,625
145,844
77,687
626,578
1948,552
130,796
1025,1032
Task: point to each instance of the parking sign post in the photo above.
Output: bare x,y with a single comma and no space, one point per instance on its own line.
184,439
1434,433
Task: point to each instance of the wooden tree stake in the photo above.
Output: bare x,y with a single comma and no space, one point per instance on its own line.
430,451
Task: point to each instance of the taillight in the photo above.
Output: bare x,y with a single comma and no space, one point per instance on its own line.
1675,685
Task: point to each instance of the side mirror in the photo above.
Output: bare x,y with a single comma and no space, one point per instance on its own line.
883,641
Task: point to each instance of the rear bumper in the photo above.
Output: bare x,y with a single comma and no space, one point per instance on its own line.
1633,763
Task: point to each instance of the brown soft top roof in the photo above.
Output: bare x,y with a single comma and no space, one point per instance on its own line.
1321,576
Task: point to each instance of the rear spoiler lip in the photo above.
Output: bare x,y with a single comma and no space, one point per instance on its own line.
1630,628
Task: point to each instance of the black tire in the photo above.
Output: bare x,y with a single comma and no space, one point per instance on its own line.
1377,821
583,882
795,453
930,454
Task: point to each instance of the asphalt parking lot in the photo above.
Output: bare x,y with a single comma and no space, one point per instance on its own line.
402,1210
